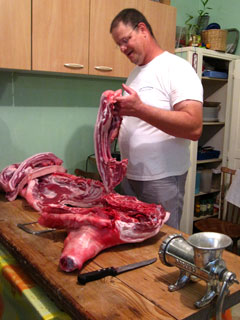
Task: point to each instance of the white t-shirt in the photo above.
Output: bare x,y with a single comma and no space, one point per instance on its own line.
151,153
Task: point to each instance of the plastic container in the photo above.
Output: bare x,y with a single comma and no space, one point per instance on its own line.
215,74
216,179
206,180
197,185
207,153
180,35
211,110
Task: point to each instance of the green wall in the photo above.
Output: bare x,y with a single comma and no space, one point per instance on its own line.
49,113
184,7
44,112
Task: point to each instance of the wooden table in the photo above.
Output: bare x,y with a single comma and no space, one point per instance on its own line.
138,294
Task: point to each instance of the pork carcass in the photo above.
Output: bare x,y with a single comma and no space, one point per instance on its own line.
83,244
94,216
106,130
14,177
121,219
65,189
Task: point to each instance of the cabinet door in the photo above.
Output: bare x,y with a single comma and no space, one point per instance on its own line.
105,57
60,31
15,35
163,22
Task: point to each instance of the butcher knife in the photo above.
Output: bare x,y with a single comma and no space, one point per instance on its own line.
111,271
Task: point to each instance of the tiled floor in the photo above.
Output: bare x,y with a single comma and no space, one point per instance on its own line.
236,312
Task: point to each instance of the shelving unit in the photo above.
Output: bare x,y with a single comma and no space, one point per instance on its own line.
215,133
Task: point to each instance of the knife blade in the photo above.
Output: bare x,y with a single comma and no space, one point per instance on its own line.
111,271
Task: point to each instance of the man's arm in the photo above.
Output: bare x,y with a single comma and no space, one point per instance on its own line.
185,121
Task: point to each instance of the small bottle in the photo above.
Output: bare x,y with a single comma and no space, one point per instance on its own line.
215,208
203,207
208,206
211,206
197,208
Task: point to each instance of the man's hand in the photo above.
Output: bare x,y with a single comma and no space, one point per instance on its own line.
129,105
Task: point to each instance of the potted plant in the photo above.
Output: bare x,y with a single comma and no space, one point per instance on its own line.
203,16
191,31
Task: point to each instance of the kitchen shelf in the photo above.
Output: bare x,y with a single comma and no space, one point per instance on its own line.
214,79
209,160
204,217
213,123
202,193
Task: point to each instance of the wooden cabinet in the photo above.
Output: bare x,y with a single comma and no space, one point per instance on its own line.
105,57
72,36
60,35
165,1
216,133
162,18
15,35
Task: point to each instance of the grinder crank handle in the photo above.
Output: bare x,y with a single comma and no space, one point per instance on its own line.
96,275
229,279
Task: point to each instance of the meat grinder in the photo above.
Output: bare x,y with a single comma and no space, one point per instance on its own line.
200,256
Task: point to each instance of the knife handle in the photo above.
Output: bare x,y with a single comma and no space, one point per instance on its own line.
95,275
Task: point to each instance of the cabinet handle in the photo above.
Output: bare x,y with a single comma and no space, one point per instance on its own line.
73,65
103,68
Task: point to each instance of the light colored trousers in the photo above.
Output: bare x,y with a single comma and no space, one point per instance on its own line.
168,192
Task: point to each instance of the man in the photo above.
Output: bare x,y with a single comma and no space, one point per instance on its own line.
162,110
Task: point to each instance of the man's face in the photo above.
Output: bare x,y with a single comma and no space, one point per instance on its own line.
129,40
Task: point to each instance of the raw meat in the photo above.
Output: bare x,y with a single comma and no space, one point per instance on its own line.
85,243
121,219
106,130
6,175
14,177
137,220
65,189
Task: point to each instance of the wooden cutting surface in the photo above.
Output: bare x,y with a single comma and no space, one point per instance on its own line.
138,294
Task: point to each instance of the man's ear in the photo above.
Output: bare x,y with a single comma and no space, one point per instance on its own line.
142,27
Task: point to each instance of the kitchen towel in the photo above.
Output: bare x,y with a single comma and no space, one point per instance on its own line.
233,193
